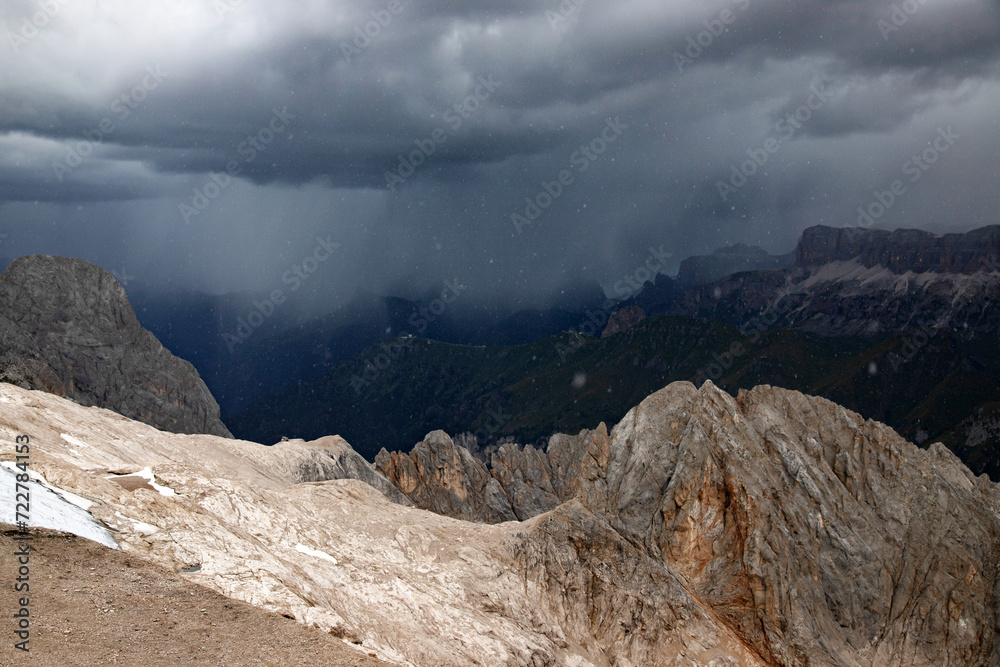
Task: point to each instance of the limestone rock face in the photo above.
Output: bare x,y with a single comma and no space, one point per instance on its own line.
770,529
413,587
67,327
860,282
815,536
902,250
330,458
446,479
442,477
847,298
623,320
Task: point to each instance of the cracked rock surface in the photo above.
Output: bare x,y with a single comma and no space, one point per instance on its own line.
815,536
703,531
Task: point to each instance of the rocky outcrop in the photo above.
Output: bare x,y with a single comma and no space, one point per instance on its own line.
446,479
771,529
329,458
409,586
520,483
623,319
857,282
796,520
846,298
702,269
903,250
66,327
793,519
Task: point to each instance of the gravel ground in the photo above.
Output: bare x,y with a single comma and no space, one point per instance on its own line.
91,605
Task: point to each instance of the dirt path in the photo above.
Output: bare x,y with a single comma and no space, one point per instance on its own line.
91,605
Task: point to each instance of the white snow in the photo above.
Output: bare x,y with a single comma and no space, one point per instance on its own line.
79,501
75,442
303,549
147,474
49,509
145,529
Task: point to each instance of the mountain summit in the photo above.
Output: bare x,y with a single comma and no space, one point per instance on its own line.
66,327
902,250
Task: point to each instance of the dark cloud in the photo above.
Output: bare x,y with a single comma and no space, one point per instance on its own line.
161,96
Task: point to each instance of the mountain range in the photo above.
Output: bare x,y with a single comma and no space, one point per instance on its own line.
468,504
900,327
766,529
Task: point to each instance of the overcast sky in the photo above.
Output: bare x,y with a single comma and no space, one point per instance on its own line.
120,118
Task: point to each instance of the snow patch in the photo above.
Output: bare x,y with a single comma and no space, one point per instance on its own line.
69,497
147,474
73,441
144,529
50,508
303,549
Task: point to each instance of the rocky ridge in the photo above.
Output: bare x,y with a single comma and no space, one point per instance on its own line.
903,250
521,482
846,298
790,517
622,320
860,282
771,528
66,327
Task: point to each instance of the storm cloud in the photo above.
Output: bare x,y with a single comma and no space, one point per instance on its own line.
208,143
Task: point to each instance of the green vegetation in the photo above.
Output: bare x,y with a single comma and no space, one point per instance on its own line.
393,394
